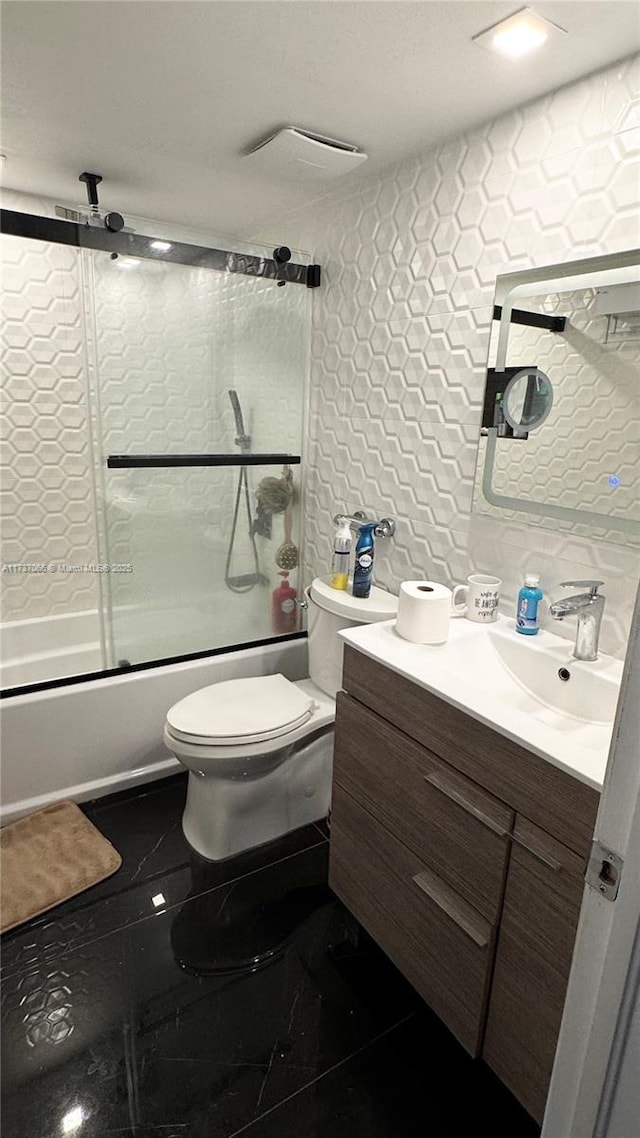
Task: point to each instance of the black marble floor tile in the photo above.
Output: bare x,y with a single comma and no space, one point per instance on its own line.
146,831
412,1082
208,1000
245,995
159,869
200,1018
65,1043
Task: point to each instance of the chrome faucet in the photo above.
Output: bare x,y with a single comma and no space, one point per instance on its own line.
588,608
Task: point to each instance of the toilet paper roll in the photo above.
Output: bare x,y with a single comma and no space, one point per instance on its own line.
424,612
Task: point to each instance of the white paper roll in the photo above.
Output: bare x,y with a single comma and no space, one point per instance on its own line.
424,612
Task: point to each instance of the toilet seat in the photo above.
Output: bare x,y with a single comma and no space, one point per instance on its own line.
321,714
240,712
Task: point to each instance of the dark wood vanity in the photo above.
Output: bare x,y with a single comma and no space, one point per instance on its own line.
463,855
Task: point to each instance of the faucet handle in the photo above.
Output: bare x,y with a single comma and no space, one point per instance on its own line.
592,586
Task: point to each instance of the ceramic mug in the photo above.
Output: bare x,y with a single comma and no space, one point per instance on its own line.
482,597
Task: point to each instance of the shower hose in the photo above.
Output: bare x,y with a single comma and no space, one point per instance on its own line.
247,581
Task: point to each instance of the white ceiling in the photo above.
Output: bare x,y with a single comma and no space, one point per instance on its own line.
162,98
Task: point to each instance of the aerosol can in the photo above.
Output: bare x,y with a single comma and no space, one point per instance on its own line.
363,571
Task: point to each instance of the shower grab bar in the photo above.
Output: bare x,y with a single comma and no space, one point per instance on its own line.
386,527
128,461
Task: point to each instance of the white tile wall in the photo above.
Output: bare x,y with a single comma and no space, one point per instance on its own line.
48,500
401,331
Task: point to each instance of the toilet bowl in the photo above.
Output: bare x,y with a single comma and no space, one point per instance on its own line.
259,750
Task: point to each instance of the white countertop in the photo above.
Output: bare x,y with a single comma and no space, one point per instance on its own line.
480,670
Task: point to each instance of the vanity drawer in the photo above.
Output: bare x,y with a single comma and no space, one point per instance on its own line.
439,942
557,801
450,823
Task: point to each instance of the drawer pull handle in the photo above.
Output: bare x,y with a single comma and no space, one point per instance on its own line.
437,892
445,788
546,859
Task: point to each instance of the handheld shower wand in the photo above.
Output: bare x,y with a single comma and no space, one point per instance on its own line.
246,581
243,440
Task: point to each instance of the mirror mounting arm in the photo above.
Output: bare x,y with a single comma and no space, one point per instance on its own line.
533,319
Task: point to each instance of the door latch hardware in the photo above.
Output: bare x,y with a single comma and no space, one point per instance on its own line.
604,871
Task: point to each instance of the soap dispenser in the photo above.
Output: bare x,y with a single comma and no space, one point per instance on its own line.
341,555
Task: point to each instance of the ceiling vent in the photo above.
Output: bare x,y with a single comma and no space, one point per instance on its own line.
620,303
293,154
612,300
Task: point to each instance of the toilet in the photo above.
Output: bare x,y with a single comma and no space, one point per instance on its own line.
259,750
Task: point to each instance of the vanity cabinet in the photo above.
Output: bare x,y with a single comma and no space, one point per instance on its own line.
463,855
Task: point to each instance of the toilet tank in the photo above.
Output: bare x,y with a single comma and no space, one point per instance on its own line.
331,610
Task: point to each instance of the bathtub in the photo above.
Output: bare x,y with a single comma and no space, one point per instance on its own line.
55,647
92,738
48,647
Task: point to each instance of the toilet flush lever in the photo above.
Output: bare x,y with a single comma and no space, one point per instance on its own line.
386,527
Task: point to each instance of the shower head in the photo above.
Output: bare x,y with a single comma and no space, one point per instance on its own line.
243,440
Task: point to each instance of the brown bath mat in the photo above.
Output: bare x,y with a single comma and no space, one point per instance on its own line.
48,857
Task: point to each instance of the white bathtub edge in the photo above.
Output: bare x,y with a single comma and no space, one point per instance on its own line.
84,792
85,740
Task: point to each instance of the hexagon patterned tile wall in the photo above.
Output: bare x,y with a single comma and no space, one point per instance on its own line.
48,508
401,332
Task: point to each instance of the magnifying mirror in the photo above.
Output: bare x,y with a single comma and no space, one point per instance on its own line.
528,400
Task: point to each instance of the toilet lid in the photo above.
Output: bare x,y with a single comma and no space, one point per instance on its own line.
241,711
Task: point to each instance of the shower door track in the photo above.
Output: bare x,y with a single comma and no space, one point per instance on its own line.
82,236
129,461
147,665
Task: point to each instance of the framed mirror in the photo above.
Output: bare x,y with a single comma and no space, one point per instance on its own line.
560,437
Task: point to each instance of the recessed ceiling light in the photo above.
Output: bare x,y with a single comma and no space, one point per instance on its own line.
158,900
519,34
161,246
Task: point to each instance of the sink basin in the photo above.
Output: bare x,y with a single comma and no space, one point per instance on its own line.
530,689
544,667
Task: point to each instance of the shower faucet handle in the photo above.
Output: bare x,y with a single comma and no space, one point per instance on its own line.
386,527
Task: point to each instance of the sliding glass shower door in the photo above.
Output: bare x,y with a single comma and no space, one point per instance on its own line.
191,536
154,409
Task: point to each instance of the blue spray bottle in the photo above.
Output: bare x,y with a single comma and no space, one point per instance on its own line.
363,570
529,597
